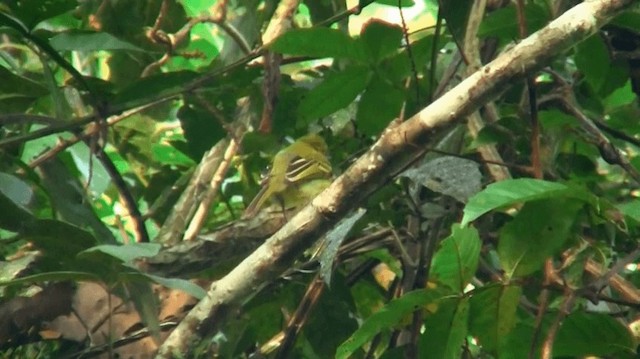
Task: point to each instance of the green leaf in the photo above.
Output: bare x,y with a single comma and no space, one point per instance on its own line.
539,230
155,86
90,41
380,39
456,261
593,334
631,209
138,289
394,3
180,284
16,189
17,93
386,318
319,42
128,252
200,131
456,14
58,238
446,329
592,59
336,91
32,12
509,192
14,217
380,103
503,22
169,155
493,315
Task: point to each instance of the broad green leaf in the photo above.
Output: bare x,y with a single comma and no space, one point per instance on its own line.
128,252
509,192
90,41
400,65
456,261
503,22
593,334
200,131
592,58
380,39
179,284
319,42
380,103
446,329
337,90
538,231
493,315
386,318
631,209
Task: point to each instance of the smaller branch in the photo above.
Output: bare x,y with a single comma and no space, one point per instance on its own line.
565,309
129,202
405,34
594,136
216,181
301,316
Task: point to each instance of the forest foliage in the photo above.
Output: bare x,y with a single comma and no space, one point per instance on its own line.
133,134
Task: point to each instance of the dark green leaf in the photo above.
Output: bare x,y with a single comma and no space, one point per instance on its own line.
381,39
319,42
154,86
539,230
90,41
456,261
335,92
32,12
14,217
493,315
593,334
503,22
592,58
394,3
446,329
380,103
386,318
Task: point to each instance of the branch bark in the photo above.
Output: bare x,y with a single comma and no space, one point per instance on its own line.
392,152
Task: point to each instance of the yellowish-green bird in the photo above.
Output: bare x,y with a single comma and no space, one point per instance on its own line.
298,173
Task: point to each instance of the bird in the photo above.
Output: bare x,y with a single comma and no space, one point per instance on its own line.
298,173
